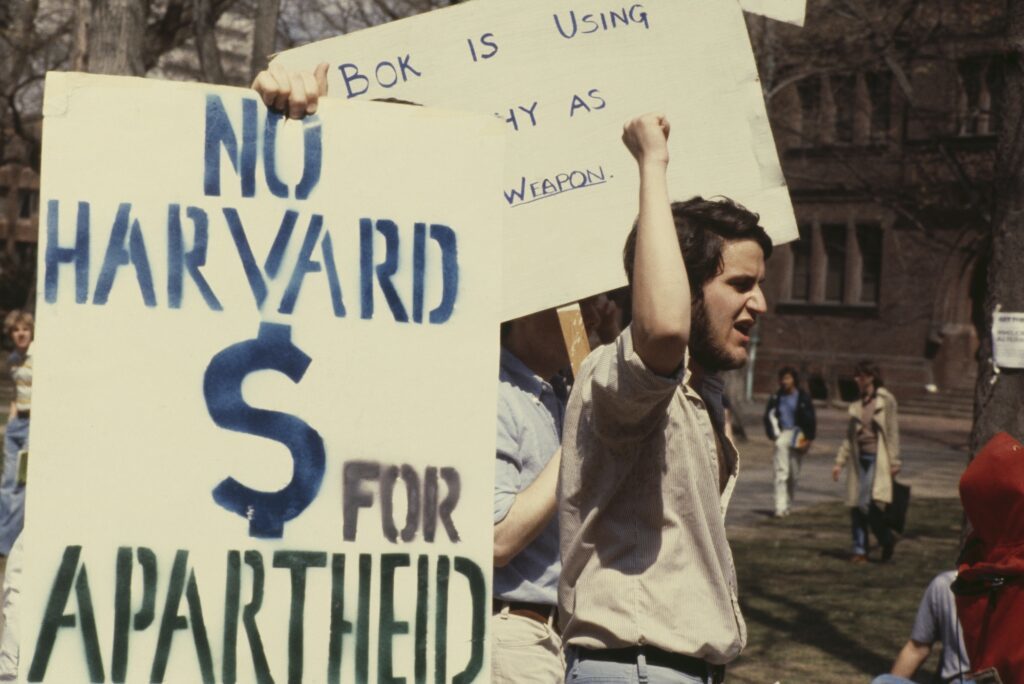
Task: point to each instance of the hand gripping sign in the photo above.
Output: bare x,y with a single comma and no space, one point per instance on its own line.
265,368
563,77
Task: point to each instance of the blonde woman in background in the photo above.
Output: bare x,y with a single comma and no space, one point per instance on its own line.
20,327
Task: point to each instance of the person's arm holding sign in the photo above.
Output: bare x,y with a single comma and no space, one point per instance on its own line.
529,514
661,292
295,94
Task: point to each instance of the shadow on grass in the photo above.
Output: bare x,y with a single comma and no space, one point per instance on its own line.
812,627
814,616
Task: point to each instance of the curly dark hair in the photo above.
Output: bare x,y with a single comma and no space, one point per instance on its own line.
789,370
703,226
871,369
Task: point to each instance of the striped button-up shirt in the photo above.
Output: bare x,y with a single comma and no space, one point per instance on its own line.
645,559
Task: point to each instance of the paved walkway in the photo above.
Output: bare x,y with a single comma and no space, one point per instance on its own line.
934,455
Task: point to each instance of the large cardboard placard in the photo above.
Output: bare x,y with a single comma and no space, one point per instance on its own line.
265,371
564,77
789,11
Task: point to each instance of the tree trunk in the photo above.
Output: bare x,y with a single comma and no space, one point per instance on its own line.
80,49
999,395
206,43
263,35
116,37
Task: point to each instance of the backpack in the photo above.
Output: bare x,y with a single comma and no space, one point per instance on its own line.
990,586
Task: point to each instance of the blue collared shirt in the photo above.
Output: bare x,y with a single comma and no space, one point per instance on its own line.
787,410
529,433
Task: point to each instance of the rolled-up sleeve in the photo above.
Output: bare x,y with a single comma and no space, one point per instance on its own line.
926,629
628,399
508,466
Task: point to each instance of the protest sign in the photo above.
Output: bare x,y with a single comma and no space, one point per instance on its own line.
789,11
265,379
564,77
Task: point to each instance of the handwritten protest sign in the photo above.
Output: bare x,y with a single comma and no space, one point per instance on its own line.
1008,339
790,11
265,388
564,77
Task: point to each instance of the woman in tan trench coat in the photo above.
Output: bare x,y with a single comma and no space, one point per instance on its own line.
872,451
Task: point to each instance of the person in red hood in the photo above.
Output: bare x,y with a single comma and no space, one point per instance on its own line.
990,585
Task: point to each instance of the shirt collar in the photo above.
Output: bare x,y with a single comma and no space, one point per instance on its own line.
517,372
712,383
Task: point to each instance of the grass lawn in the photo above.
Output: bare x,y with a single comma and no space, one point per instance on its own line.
812,616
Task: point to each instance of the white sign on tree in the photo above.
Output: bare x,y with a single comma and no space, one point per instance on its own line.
564,77
265,378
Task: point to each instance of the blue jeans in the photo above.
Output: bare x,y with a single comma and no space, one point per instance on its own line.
867,513
589,671
12,495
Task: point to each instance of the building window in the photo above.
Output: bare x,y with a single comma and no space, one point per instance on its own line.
809,91
869,242
800,250
844,98
879,92
28,203
836,264
981,89
857,109
833,237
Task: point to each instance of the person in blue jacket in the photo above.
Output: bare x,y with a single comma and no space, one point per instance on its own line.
789,421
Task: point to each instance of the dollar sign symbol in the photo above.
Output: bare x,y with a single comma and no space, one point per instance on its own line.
272,349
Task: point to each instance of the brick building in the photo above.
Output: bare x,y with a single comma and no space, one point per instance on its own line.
19,221
885,117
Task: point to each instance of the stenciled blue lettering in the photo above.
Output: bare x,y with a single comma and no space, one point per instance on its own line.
272,349
312,157
179,261
221,133
384,270
305,264
118,255
56,255
272,265
446,240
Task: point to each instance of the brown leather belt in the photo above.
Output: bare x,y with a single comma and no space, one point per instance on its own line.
535,611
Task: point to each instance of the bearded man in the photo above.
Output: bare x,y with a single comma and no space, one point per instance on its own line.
648,588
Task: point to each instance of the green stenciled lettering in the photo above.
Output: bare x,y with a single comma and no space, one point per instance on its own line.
339,625
171,622
422,607
478,591
54,618
441,622
363,620
389,627
298,562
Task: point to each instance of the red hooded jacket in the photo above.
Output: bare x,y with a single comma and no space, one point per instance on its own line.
990,585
